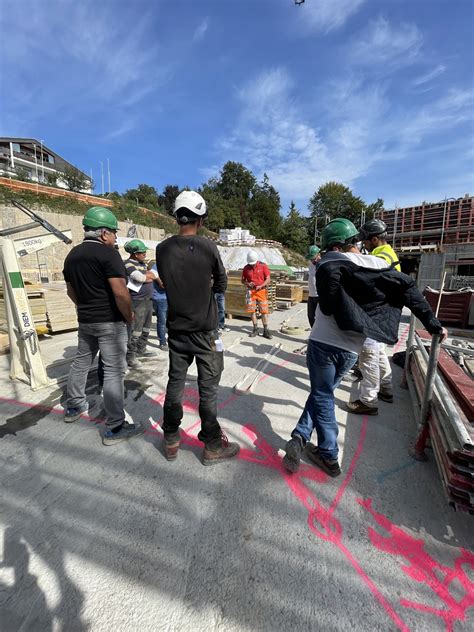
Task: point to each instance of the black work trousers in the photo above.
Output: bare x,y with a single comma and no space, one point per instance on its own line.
140,328
183,349
312,304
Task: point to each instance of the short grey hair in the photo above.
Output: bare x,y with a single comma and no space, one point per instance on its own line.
93,233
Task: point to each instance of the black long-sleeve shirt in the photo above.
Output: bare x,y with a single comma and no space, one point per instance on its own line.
191,270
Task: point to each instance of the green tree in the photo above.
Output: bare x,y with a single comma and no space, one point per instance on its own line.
294,231
52,179
143,195
74,179
373,208
167,198
332,200
265,210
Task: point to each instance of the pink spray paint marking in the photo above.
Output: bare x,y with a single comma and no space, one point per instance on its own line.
421,567
323,524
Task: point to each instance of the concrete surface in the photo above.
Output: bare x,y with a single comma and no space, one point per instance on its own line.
116,538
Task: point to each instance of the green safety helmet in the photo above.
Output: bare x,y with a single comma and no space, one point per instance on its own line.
312,252
135,246
100,217
338,232
373,227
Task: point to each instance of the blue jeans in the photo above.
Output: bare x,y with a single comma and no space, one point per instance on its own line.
111,340
161,309
327,366
220,300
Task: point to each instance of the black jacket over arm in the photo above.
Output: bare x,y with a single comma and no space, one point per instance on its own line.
370,301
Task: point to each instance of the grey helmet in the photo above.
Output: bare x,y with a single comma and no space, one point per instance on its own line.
372,228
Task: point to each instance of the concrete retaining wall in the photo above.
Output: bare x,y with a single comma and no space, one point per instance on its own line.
47,264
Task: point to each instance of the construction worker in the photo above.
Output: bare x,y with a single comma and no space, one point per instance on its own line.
96,282
374,364
140,285
192,272
314,255
358,294
160,305
256,278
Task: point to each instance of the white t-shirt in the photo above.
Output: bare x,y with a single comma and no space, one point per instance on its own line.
312,281
325,328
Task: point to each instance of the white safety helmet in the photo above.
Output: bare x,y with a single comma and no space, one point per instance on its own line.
191,201
252,257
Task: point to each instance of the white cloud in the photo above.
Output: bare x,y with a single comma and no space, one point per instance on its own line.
123,129
429,76
200,30
273,135
386,45
326,15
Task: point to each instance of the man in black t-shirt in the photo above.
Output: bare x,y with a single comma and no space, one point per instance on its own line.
95,276
191,271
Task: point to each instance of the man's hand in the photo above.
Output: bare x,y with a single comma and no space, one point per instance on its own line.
443,334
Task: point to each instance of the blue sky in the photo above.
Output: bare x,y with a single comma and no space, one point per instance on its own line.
377,94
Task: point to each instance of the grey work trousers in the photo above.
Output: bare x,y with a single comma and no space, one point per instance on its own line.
111,340
140,329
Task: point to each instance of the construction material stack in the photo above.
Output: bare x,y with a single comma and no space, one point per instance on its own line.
235,303
61,312
451,423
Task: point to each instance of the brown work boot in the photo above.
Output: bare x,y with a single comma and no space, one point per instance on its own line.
226,450
171,445
330,466
359,408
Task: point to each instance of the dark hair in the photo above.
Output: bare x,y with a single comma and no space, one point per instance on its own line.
185,216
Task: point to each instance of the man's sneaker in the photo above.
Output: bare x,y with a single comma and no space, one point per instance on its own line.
359,408
267,333
386,397
171,444
164,347
226,450
147,353
294,450
225,329
122,433
73,414
253,333
330,466
133,363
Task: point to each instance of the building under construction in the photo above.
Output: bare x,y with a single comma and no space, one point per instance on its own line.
446,226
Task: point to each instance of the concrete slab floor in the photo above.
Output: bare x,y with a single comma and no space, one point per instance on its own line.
117,538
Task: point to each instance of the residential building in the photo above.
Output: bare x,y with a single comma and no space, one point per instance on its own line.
34,160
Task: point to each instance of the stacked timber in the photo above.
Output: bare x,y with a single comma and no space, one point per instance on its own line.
289,292
37,303
235,296
61,312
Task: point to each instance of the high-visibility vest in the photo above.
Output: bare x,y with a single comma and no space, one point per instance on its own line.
388,253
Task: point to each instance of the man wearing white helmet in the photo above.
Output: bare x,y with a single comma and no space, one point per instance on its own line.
256,278
192,272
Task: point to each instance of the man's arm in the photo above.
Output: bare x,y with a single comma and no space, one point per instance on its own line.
416,303
219,276
71,293
328,287
122,297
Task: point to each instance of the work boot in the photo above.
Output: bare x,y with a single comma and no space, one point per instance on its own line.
164,347
294,450
171,443
385,396
146,353
254,332
359,408
216,454
330,466
267,334
121,433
